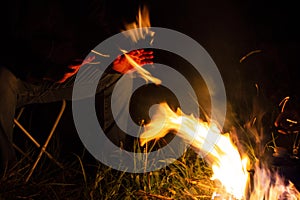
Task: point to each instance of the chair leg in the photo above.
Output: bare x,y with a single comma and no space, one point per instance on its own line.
35,142
43,149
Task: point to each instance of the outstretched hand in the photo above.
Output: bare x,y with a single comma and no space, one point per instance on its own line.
140,57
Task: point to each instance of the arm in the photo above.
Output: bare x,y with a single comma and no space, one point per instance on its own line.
121,65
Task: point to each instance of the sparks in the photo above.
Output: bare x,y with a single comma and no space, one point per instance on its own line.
228,164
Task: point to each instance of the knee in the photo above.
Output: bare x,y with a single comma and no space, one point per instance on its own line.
8,80
8,86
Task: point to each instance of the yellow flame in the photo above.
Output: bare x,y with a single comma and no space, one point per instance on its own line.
140,31
220,153
229,167
269,185
140,28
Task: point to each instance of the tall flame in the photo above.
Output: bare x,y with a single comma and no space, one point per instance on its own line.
140,31
228,166
221,154
269,185
140,28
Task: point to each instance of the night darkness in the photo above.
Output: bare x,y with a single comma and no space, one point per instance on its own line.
228,30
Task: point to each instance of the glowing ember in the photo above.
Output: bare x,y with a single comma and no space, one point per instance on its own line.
228,166
140,31
271,186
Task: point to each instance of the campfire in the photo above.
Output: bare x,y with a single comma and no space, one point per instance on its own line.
237,176
229,165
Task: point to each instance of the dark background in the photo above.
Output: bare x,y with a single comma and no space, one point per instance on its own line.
228,30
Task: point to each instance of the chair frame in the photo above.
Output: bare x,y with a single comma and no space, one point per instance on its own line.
37,144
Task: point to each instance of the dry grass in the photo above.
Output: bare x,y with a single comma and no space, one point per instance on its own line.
84,178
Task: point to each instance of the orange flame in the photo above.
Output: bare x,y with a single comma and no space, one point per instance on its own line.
228,166
140,28
140,31
222,155
269,185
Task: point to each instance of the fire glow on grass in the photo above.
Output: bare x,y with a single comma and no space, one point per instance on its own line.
228,165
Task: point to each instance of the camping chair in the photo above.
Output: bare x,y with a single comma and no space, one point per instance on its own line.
37,144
